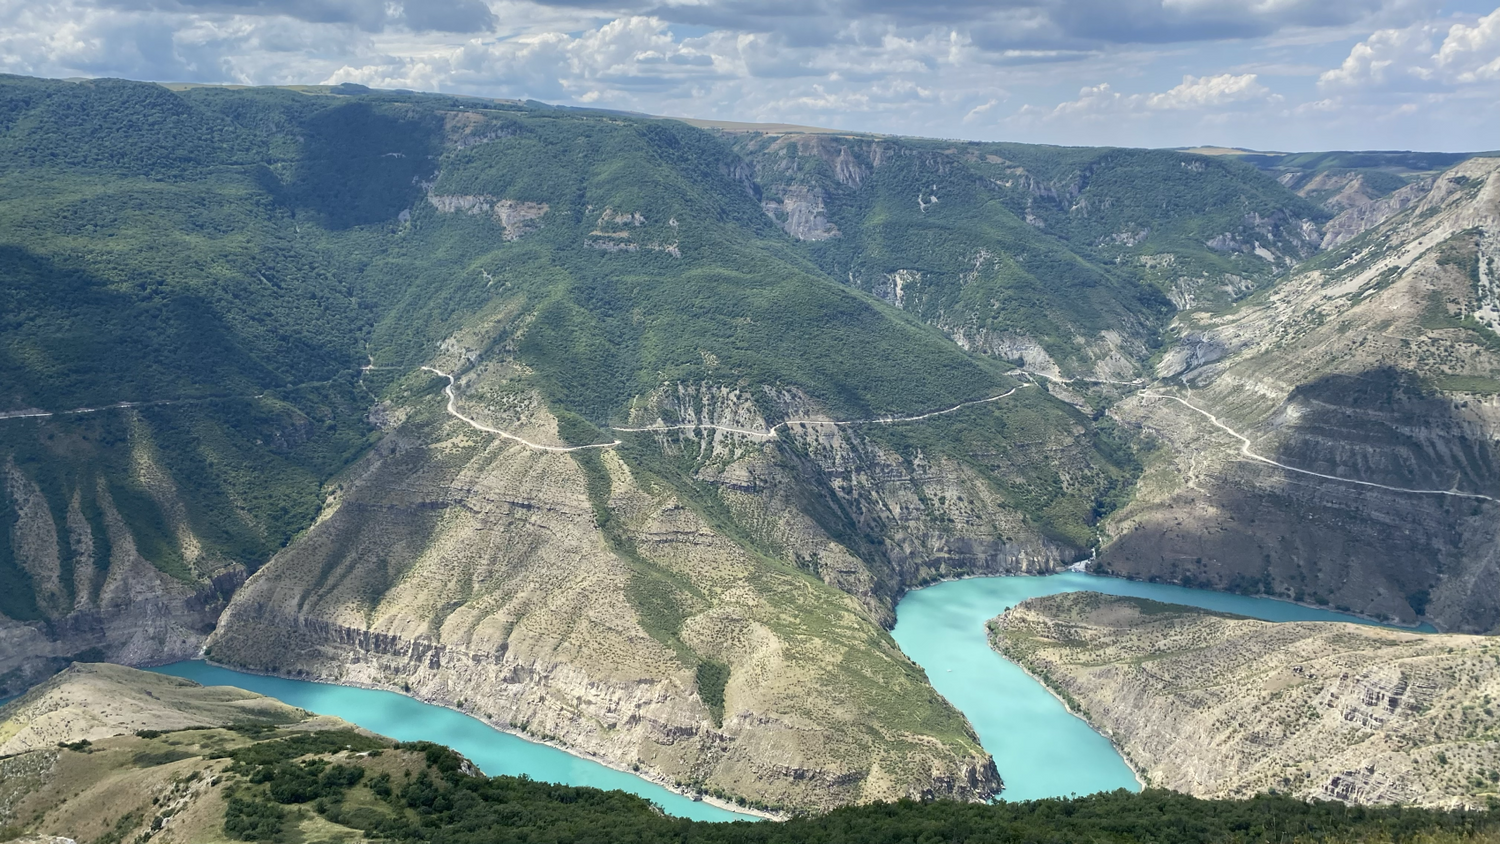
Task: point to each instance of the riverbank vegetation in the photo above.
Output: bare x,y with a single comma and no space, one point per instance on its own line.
440,798
285,776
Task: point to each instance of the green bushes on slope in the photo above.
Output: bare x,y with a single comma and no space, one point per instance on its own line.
447,802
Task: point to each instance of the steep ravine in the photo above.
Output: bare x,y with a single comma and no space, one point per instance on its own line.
98,597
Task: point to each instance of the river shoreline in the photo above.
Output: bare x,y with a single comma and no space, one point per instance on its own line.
1070,569
651,778
1119,748
1103,581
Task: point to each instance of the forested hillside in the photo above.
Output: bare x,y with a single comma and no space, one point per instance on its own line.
1070,259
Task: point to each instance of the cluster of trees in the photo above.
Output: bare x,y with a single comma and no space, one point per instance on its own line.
445,802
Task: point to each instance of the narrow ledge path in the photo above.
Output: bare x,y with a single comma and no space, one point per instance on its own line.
1250,454
1245,445
123,405
771,433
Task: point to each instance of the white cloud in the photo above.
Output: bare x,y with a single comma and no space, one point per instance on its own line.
977,111
1210,92
1196,93
1388,56
1413,57
1472,53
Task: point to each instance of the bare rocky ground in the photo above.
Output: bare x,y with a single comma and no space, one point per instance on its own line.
475,572
1223,706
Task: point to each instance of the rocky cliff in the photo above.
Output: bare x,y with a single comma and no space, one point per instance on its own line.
1220,706
706,629
1334,439
79,542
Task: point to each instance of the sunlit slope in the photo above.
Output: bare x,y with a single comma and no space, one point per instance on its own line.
261,275
1217,705
719,584
639,260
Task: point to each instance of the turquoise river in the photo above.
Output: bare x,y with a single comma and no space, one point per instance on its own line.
1040,749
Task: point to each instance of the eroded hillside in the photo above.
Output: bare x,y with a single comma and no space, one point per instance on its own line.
1219,706
1370,377
1066,259
697,450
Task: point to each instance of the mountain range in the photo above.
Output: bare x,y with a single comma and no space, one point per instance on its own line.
629,435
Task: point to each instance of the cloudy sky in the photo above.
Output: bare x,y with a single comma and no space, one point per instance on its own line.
1265,74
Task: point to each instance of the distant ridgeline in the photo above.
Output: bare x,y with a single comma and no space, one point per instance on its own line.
215,307
246,249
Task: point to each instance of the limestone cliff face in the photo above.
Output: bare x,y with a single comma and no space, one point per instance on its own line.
1359,212
576,596
1373,379
1224,706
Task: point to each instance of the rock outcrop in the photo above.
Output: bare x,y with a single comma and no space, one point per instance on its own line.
1225,706
97,596
1374,383
576,596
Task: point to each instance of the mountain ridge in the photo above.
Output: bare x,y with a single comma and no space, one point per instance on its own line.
396,283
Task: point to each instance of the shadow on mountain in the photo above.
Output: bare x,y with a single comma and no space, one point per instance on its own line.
1257,529
1385,426
361,164
72,339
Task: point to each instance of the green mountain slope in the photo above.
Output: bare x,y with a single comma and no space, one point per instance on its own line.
578,273
1068,258
143,263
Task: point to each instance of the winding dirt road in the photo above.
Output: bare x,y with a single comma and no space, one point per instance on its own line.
771,433
763,435
479,426
1250,454
44,414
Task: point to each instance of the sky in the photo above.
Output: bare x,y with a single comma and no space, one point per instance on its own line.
1284,75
